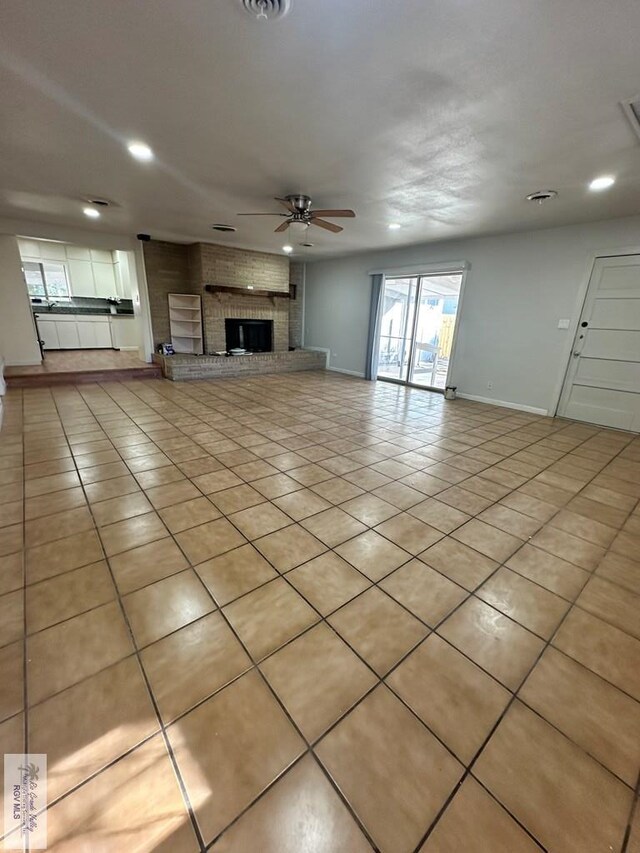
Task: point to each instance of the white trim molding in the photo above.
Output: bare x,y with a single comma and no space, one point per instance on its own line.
423,269
357,373
532,410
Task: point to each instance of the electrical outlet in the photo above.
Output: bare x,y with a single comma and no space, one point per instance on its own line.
490,386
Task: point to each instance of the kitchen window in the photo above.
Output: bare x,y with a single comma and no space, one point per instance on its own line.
48,280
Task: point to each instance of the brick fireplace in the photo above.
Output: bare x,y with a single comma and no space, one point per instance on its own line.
247,286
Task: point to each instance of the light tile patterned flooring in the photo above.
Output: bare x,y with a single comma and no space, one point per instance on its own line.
310,613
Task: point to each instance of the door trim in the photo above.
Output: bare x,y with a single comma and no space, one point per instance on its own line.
565,386
577,313
425,271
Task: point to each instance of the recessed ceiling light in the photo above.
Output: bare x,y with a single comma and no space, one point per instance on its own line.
394,226
91,212
140,151
602,183
287,249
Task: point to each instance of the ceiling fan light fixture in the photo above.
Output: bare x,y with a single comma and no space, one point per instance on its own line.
267,10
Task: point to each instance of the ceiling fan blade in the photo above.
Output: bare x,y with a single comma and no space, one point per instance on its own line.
286,203
328,226
332,213
283,227
262,214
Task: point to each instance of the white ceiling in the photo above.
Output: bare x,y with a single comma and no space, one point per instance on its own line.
438,114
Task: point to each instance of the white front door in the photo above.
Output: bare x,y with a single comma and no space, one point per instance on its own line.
602,385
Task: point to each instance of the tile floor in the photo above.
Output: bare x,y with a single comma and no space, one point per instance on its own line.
310,613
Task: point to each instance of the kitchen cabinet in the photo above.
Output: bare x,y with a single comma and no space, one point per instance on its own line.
68,337
124,332
75,331
48,332
81,278
105,279
94,335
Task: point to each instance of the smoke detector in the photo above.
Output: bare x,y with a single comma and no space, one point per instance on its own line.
542,195
267,10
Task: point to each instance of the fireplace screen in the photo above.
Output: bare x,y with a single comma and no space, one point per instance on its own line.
252,335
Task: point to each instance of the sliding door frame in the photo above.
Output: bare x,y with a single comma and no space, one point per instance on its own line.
426,271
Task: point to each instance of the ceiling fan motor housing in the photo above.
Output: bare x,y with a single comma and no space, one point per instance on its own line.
267,9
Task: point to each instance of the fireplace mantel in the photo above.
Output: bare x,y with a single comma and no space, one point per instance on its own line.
243,291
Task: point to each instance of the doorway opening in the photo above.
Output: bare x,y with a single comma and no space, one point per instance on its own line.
417,329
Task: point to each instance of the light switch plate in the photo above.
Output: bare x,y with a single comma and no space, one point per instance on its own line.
563,324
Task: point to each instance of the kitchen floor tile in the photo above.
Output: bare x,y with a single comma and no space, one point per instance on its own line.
270,616
591,712
318,678
190,664
373,555
146,564
327,582
602,648
77,743
209,540
378,629
289,547
333,526
523,601
560,794
497,644
91,642
300,811
457,700
133,805
254,743
63,596
459,563
165,606
392,770
409,533
423,591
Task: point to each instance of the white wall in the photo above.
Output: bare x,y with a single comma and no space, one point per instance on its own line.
18,340
517,288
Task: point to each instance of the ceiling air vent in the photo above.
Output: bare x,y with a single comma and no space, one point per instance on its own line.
219,226
632,111
542,195
267,10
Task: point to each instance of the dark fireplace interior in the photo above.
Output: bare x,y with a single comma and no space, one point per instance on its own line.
252,335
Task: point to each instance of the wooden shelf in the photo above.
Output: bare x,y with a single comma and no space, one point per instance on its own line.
186,331
243,291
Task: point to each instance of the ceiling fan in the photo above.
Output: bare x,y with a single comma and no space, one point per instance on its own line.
301,216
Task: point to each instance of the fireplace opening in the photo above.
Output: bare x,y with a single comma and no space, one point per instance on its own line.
252,335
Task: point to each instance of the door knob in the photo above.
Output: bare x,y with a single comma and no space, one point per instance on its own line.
576,353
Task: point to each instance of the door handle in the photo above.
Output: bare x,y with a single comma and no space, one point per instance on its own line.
576,353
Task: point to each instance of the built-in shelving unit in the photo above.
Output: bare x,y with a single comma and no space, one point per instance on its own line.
185,320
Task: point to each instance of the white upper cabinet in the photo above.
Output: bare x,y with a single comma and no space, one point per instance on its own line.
53,251
81,278
101,256
105,279
29,248
77,253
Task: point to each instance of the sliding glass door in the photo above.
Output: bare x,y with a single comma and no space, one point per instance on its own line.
417,328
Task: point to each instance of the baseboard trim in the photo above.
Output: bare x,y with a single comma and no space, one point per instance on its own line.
326,351
532,410
347,372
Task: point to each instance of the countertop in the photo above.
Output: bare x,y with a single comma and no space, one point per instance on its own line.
43,311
